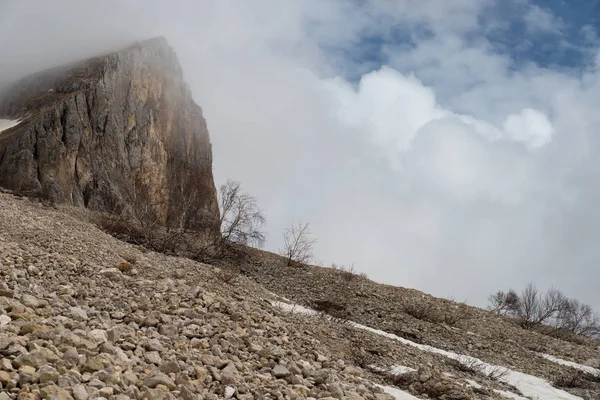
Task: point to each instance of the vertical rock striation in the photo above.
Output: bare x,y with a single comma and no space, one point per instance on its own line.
116,128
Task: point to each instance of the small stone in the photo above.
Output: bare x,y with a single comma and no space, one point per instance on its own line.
168,330
280,371
150,321
78,313
27,369
106,391
55,393
129,377
171,367
229,392
48,374
32,302
113,334
97,335
93,365
179,273
153,394
153,357
5,364
79,392
71,356
5,320
5,377
335,390
159,379
111,272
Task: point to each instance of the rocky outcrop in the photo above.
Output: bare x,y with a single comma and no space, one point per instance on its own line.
116,129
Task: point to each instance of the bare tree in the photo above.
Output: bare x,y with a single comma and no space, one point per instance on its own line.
242,221
553,311
298,244
504,303
578,318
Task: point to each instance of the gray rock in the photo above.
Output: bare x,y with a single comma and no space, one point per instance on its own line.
279,371
229,392
32,301
159,379
170,367
168,330
5,320
153,357
79,392
78,313
48,374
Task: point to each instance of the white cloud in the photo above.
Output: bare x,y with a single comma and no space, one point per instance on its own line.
449,170
530,126
539,19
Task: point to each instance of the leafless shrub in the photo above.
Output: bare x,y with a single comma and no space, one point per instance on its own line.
133,216
552,313
349,272
475,367
430,387
578,318
242,221
298,244
331,308
576,379
496,373
428,311
452,317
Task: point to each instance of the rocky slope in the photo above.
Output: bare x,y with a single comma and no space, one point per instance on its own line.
118,128
77,321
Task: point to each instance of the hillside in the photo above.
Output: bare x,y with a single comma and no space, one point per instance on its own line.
72,325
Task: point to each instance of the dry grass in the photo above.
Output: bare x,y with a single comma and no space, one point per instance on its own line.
424,310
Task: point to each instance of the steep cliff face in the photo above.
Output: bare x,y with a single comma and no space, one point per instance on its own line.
116,128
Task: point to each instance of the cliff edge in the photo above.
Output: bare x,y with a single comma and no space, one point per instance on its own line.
108,131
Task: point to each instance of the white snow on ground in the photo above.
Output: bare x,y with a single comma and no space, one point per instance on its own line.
401,369
529,385
397,393
473,383
6,124
571,364
503,393
510,395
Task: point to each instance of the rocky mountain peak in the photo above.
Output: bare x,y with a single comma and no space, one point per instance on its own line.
108,130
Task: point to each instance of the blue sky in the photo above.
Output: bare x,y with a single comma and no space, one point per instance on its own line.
553,34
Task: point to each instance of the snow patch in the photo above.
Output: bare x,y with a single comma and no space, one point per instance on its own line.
584,368
401,369
510,395
397,393
473,384
529,385
7,124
